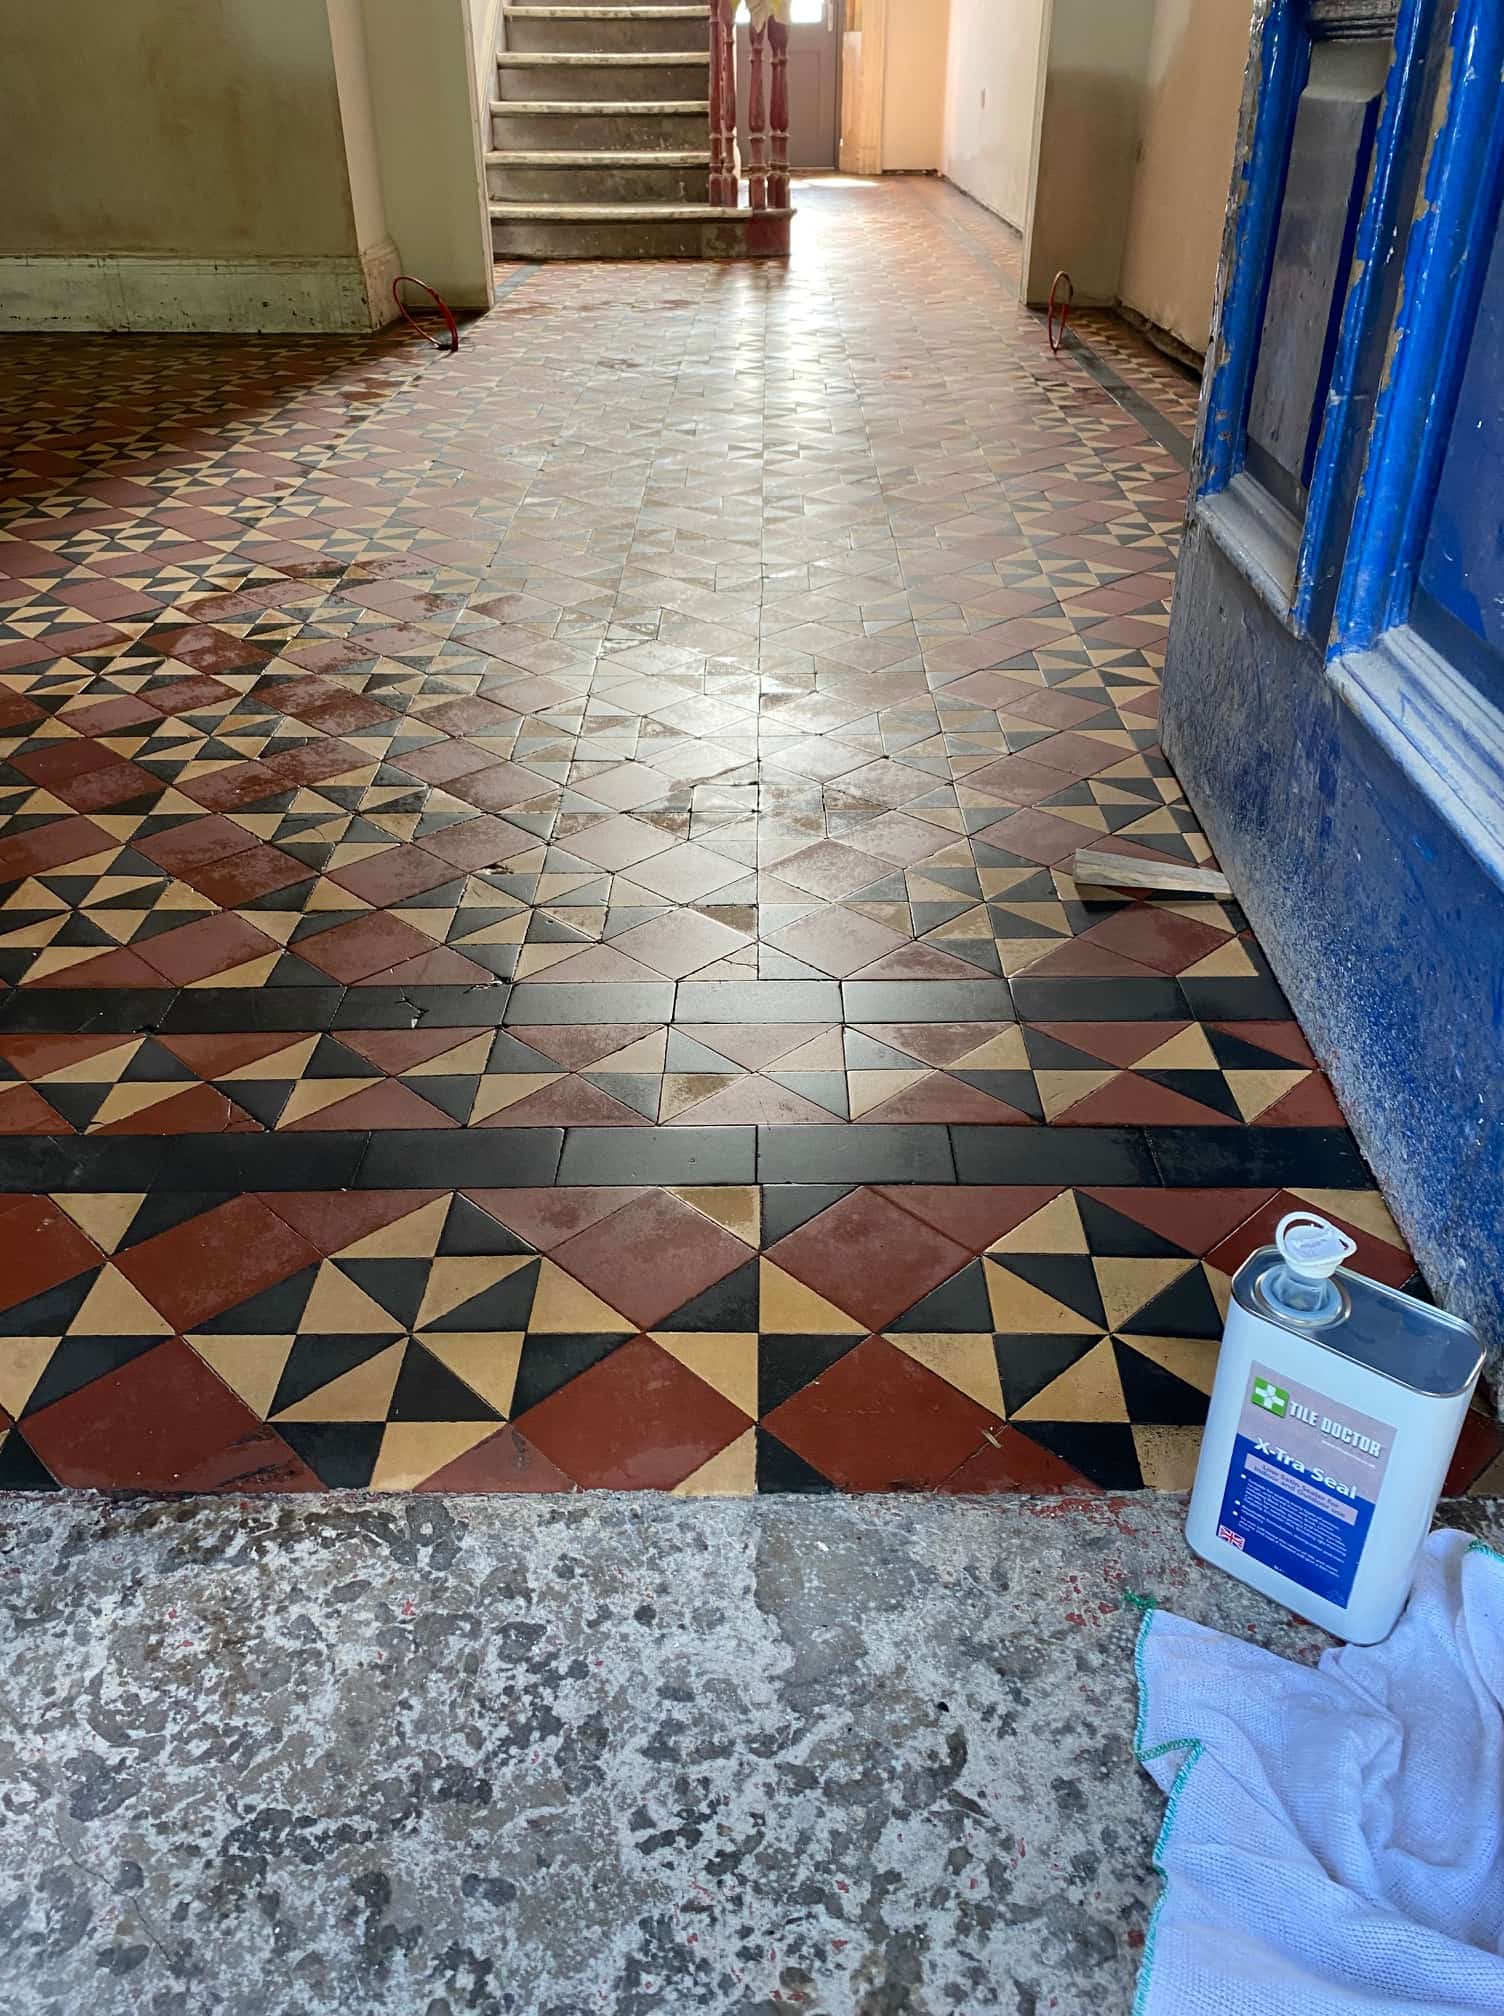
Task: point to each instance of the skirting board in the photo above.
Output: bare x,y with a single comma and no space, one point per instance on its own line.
140,292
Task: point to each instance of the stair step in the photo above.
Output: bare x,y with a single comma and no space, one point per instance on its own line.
624,13
624,59
600,108
568,157
604,213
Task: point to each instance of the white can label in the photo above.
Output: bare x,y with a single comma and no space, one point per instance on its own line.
1305,1476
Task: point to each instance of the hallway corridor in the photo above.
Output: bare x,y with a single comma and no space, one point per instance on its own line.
537,947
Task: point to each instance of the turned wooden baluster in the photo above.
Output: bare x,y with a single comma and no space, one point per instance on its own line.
778,118
723,179
757,122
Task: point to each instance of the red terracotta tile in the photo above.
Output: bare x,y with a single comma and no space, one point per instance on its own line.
163,1422
39,1246
652,1256
216,1056
364,946
1036,836
1120,1043
442,762
570,1102
1480,1444
1312,1104
439,967
205,947
383,879
546,1218
197,1109
1195,1220
398,1050
972,1215
480,843
636,1421
1009,1462
505,1461
877,1421
1161,939
579,1045
1130,1100
195,843
1376,1257
122,968
208,1264
46,847
385,1103
113,784
941,1100
60,762
869,1258
1080,959
236,785
240,878
23,1110
332,1219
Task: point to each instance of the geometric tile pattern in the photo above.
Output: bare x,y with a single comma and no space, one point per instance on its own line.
607,762
712,1340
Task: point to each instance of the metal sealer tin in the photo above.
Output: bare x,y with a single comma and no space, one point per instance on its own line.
1330,1432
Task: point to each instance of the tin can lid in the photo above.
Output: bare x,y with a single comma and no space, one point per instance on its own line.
1394,1334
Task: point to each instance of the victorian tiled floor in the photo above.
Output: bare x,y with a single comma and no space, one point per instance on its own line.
537,942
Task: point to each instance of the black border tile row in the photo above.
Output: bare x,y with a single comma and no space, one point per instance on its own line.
197,1011
522,1157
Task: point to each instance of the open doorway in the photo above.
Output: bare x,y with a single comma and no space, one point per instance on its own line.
814,83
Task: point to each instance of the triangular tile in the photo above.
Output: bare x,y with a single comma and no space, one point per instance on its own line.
727,1361
788,1307
780,1470
486,1360
249,1366
566,1306
959,1304
966,1361
362,1393
484,1291
1045,1292
787,1364
338,1306
1185,1309
731,1473
1127,1284
1087,1389
412,1451
549,1363
1152,1394
1055,1228
428,1390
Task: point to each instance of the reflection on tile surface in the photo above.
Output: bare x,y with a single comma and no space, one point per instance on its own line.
625,782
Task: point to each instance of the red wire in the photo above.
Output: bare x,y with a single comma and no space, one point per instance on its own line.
1056,339
454,327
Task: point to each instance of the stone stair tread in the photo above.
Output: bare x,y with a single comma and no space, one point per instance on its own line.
616,213
567,157
609,13
619,59
615,108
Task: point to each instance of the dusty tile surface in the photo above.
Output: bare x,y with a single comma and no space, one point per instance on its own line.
583,764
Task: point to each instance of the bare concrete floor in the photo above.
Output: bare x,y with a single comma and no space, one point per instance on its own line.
426,1756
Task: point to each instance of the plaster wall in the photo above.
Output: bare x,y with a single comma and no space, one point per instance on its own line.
991,90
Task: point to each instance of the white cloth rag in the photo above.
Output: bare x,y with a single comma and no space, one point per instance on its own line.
1334,1840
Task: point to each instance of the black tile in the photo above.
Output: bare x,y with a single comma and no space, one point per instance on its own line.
1234,1000
1078,1000
424,1007
1324,1158
780,1470
1101,1450
74,1011
875,1154
538,1002
926,1001
21,1469
787,1206
213,1011
342,1454
488,1158
1103,1155
64,1162
728,1305
260,1162
756,1001
660,1154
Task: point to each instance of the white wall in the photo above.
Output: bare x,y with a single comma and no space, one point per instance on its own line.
1187,136
234,164
992,78
914,85
1096,61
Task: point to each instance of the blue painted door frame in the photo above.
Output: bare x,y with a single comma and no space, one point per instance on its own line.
1334,687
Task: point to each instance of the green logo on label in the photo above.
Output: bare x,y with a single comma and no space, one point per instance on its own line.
1273,1399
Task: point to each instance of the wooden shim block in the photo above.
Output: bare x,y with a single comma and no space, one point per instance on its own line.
1126,871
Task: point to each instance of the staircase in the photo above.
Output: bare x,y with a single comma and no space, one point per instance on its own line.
600,135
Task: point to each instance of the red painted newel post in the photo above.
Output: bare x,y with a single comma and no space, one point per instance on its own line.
757,120
723,178
778,118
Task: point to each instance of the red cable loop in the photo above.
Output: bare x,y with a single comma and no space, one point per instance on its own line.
408,316
1056,339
